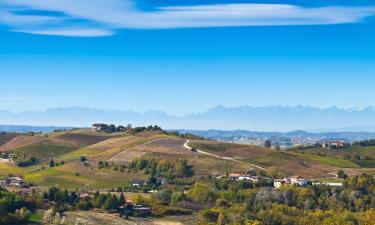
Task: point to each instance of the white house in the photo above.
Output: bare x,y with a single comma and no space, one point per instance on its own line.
278,183
294,180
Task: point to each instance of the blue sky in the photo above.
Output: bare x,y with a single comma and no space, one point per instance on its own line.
185,57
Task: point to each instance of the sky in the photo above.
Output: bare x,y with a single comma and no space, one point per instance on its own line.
186,56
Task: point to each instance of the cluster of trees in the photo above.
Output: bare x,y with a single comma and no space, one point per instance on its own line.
28,162
169,169
222,202
370,142
111,128
64,200
16,209
108,202
236,203
52,163
149,128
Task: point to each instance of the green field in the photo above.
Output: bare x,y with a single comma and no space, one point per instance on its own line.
337,162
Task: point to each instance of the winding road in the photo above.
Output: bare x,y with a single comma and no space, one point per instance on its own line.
186,145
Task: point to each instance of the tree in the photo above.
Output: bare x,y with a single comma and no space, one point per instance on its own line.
121,200
83,158
342,174
209,215
51,163
267,144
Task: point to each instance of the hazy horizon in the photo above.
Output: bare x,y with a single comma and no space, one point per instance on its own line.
261,118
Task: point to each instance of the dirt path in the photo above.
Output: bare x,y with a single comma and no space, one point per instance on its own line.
114,158
186,145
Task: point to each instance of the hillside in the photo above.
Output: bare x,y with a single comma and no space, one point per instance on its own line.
309,164
208,158
6,137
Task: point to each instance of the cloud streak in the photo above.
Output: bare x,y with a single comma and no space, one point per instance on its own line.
89,18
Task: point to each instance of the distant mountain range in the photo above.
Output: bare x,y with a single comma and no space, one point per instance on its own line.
237,134
27,129
272,118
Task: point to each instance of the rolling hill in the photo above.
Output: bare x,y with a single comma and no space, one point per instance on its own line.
209,158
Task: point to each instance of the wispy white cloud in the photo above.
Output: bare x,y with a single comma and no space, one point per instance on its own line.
104,16
70,32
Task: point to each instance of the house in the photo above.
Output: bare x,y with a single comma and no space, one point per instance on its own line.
244,177
294,180
141,211
278,183
84,196
16,181
329,184
138,183
12,181
255,179
237,176
98,127
234,176
334,144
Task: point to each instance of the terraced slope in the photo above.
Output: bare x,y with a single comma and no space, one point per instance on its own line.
6,137
172,146
231,150
44,149
288,163
21,140
83,139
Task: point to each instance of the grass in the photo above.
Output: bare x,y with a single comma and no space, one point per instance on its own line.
42,150
231,150
290,164
89,177
37,217
213,147
6,168
332,161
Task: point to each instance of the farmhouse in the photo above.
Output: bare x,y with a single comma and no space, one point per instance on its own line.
234,176
98,127
334,144
138,183
141,211
294,180
12,181
237,176
278,183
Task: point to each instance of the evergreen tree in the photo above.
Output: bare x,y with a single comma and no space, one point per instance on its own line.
51,163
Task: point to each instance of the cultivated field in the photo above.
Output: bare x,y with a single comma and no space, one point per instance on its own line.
83,139
6,137
19,141
173,146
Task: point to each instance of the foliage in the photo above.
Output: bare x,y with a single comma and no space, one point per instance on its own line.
370,142
15,209
170,169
